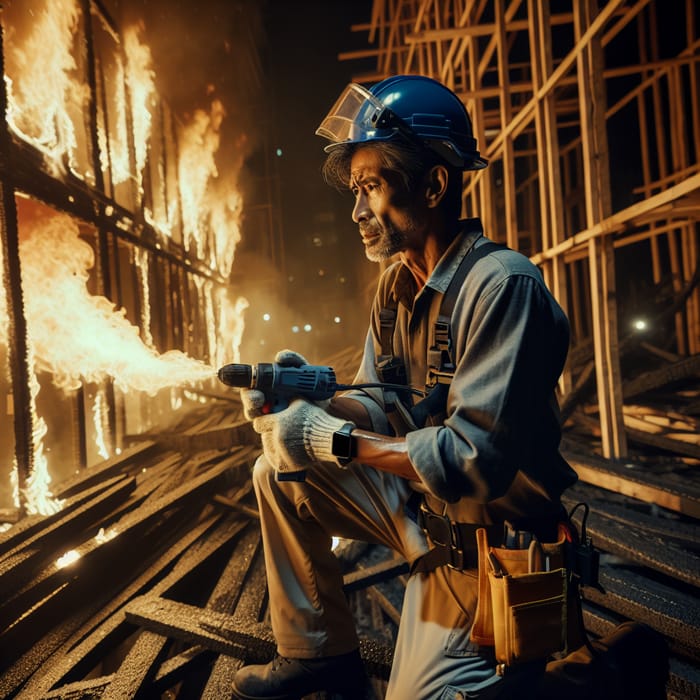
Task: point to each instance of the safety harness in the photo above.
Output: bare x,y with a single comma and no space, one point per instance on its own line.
441,359
454,542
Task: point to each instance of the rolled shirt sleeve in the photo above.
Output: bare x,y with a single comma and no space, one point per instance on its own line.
510,339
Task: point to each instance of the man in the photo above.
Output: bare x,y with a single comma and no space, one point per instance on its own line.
385,467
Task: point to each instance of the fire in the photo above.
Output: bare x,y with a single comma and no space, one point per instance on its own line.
140,78
75,337
79,337
199,142
42,82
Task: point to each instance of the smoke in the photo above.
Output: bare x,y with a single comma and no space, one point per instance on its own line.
205,51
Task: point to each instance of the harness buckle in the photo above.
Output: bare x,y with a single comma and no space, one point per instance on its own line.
444,533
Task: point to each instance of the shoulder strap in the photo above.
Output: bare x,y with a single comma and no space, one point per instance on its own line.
441,364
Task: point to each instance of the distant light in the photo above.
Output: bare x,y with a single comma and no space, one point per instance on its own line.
266,317
640,324
341,279
295,329
336,319
321,272
307,327
278,152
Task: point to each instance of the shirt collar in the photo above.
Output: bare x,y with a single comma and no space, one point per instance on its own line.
404,289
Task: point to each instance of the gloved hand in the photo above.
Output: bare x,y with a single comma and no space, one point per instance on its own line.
298,436
253,399
289,358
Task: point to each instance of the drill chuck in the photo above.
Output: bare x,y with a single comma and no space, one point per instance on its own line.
237,375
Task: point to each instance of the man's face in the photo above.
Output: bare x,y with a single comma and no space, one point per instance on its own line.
387,215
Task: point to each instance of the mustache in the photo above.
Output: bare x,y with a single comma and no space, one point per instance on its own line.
371,228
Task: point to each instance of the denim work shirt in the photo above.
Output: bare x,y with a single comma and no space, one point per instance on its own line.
495,456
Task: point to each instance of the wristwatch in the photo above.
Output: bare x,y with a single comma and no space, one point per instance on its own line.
343,444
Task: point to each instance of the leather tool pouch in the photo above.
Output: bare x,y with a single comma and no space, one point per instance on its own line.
522,605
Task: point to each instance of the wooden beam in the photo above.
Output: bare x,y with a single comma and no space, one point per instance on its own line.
634,483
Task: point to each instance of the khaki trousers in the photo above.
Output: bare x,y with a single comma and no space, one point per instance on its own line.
434,657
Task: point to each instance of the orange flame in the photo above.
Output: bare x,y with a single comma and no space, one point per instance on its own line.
42,83
199,141
76,336
140,77
79,337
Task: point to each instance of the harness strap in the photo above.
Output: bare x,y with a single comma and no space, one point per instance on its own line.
441,360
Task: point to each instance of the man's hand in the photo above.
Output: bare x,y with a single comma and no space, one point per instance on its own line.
289,358
297,437
253,400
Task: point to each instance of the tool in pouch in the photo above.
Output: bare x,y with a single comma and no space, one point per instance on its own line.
529,605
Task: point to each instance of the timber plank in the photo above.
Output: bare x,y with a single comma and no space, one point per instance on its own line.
25,531
637,597
635,481
665,442
27,556
682,369
139,666
94,556
185,664
252,642
641,547
131,457
636,514
88,645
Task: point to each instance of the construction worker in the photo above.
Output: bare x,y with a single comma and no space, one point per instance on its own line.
420,476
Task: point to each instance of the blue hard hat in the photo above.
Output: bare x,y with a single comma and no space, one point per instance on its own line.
409,106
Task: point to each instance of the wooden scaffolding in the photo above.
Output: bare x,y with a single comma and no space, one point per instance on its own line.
589,113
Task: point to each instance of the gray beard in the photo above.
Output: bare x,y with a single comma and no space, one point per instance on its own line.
387,245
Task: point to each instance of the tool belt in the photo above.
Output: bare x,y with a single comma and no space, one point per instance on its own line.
523,607
523,602
454,544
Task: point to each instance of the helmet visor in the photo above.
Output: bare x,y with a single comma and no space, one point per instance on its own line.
355,116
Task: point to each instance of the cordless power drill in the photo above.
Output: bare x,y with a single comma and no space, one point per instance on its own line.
280,383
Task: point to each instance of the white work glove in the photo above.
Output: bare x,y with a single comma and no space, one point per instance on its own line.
297,437
253,400
289,358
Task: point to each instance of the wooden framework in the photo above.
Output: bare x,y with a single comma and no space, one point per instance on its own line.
590,118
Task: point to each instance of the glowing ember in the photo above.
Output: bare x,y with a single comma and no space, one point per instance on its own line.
106,535
70,557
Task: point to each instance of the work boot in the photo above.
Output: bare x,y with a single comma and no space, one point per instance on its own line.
290,679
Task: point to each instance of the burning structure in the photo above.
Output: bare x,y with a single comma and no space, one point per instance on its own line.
111,207
133,566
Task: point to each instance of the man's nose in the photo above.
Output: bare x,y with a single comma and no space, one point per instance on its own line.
360,211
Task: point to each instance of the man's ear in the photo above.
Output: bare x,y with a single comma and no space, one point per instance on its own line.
436,185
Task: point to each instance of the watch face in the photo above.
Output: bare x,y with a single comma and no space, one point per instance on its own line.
343,443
